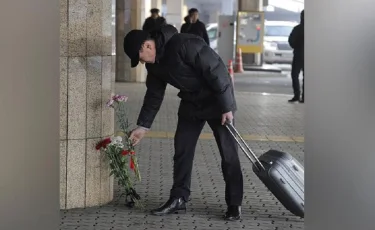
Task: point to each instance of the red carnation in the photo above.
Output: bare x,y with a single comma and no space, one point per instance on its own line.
132,166
132,153
103,143
124,152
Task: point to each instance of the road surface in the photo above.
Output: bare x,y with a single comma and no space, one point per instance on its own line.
263,83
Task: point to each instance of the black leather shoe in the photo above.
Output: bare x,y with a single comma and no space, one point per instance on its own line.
173,205
233,213
294,99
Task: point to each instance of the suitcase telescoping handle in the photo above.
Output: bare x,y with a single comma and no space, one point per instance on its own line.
253,158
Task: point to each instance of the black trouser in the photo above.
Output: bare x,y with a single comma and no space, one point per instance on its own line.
297,66
186,137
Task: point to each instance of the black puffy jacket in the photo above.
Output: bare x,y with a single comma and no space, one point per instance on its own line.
151,24
198,28
186,62
186,26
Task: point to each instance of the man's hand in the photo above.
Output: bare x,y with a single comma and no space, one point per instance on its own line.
227,117
137,135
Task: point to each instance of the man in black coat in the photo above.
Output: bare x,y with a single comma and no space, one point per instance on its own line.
186,62
195,26
154,21
297,42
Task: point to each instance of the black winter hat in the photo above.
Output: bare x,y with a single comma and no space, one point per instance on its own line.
133,43
154,11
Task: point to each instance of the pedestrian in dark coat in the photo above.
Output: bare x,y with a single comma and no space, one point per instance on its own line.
154,21
186,62
297,42
196,26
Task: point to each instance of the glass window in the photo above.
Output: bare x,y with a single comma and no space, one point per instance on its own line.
280,31
212,34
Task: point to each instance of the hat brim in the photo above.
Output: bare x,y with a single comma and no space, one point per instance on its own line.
134,62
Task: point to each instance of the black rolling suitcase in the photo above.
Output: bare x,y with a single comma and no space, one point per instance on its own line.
280,172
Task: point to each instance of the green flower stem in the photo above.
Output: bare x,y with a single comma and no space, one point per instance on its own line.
124,178
121,116
124,126
120,163
136,169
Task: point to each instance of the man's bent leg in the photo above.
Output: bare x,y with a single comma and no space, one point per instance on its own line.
185,141
303,85
231,168
296,69
186,138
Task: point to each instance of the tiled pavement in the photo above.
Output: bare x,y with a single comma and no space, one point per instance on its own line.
267,121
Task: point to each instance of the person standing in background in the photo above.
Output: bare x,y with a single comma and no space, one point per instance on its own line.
297,42
154,21
196,26
186,26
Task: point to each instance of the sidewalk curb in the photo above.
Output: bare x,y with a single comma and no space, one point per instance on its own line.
260,74
264,94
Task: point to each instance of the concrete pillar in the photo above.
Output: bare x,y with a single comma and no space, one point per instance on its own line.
340,114
86,83
209,12
138,16
130,14
185,11
147,7
227,7
123,26
29,117
156,4
175,14
251,5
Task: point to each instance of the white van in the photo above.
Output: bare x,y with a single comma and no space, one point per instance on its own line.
276,46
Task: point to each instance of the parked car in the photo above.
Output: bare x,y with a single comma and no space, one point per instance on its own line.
212,35
276,46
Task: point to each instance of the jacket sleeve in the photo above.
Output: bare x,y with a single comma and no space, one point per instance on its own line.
210,66
182,30
146,25
152,101
163,21
205,34
293,37
185,28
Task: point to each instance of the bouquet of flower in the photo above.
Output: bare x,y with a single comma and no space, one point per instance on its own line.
120,153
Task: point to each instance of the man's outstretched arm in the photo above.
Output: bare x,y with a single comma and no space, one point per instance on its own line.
152,101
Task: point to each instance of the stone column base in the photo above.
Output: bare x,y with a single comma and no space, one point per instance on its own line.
86,83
